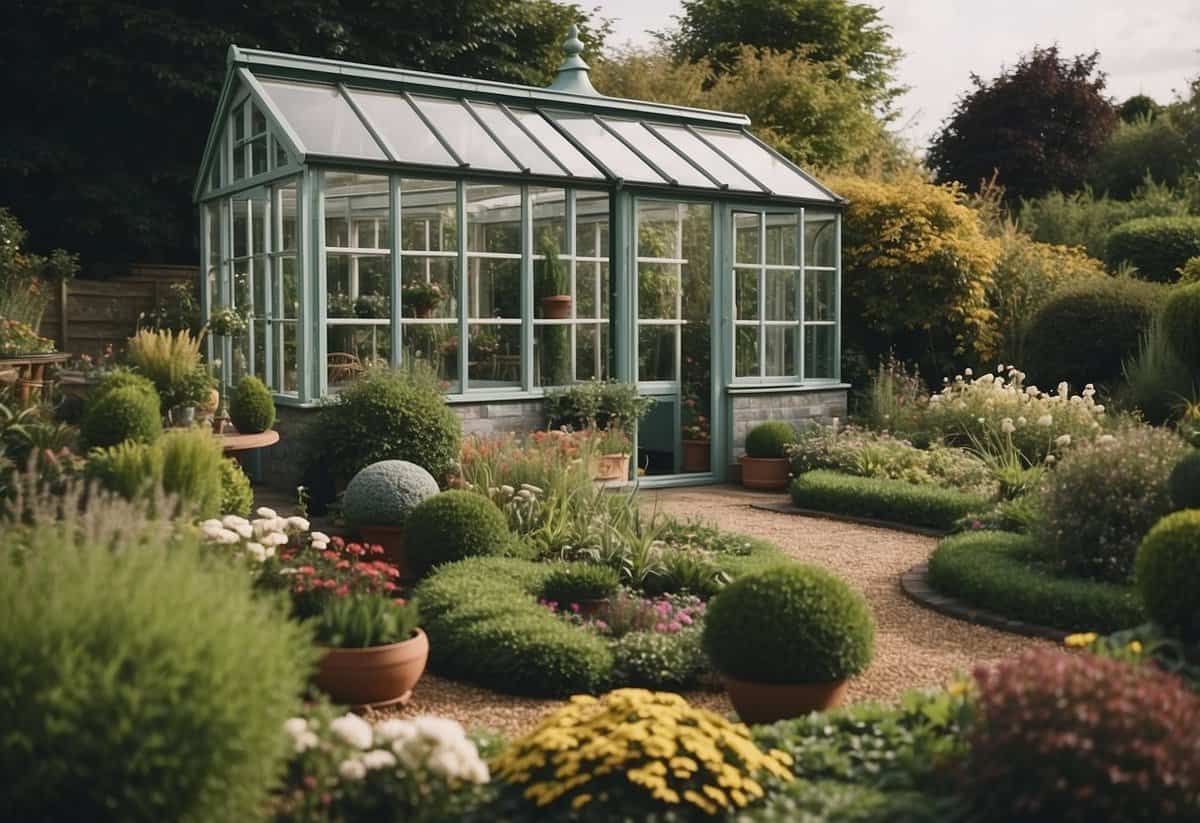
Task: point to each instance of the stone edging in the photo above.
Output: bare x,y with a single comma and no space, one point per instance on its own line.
915,584
788,508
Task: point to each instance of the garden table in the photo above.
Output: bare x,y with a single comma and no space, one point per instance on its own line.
233,443
31,371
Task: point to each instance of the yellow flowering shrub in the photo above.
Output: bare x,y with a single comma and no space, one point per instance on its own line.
634,753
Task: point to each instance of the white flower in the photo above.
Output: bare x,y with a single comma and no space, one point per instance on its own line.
394,729
441,729
258,551
212,532
1021,421
378,759
1063,440
1105,439
209,525
968,372
986,378
228,537
231,521
1000,369
244,530
297,523
1045,421
352,770
264,512
1006,425
1098,408
295,726
305,741
273,539
507,490
319,537
354,730
1051,460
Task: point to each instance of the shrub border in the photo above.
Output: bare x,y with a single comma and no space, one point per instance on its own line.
893,525
850,493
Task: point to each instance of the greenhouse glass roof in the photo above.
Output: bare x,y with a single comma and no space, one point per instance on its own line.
347,112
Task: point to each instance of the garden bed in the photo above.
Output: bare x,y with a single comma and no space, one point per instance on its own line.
884,500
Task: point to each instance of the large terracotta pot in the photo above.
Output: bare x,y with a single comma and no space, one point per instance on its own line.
556,307
768,702
764,472
697,455
611,467
391,538
373,677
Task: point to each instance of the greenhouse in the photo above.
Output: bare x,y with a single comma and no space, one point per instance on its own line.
514,239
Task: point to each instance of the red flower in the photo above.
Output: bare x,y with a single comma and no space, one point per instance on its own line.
306,570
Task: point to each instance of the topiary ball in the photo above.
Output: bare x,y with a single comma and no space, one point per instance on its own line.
1184,483
251,408
1158,246
125,413
1181,323
237,497
119,379
451,526
770,439
791,623
384,493
1167,573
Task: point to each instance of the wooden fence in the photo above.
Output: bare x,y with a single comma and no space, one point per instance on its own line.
87,315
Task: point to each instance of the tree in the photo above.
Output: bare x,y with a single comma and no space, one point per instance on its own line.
1038,125
108,104
1138,107
849,39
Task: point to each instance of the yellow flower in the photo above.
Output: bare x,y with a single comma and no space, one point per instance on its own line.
1135,646
580,801
1078,641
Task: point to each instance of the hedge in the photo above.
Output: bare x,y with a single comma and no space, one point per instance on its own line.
1157,246
1008,574
895,500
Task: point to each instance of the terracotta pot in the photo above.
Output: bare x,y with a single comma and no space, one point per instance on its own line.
764,472
209,407
373,677
611,467
556,307
697,455
391,538
768,702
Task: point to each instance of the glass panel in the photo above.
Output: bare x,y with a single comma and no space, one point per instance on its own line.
241,283
656,352
287,358
745,290
240,345
213,210
288,216
428,215
354,202
658,287
591,286
353,349
404,131
494,219
781,351
660,230
747,240
435,345
261,283
745,351
289,285
551,272
659,153
358,285
552,344
214,173
239,121
494,287
783,239
260,349
591,352
770,170
240,214
820,241
258,155
820,347
258,226
517,141
281,155
591,224
494,356
322,120
476,148
258,121
559,146
819,294
430,286
713,163
782,293
607,149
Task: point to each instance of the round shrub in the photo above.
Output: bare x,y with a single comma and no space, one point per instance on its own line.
451,526
770,439
237,497
384,493
1027,759
1104,496
577,582
1087,329
1181,323
146,683
791,623
251,407
126,413
1184,482
1157,246
1167,573
191,470
121,378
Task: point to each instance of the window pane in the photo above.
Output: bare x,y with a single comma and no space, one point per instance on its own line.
261,284
554,142
552,344
746,238
258,121
260,349
241,283
322,120
239,121
782,294
549,219
281,155
258,155
781,351
405,132
358,285
783,239
746,351
289,284
516,140
820,241
591,285
713,163
591,352
473,144
213,210
350,350
430,286
356,206
767,168
240,345
659,234
819,294
591,224
820,345
494,219
240,214
551,272
436,346
494,356
287,358
606,148
239,162
658,289
745,289
288,216
656,352
494,287
258,226
659,153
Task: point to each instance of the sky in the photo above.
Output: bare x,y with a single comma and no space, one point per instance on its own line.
1146,46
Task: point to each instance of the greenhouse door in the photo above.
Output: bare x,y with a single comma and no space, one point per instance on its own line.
674,320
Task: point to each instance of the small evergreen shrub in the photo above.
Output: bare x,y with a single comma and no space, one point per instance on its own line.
1104,496
577,582
130,469
1167,572
1157,246
120,378
1028,760
896,500
191,470
384,493
789,624
1184,482
452,526
1084,332
237,496
126,413
770,439
1181,323
251,407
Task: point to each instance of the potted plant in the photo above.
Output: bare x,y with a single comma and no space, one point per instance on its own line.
582,588
378,500
697,449
596,404
611,448
786,639
765,464
421,298
227,322
552,283
373,651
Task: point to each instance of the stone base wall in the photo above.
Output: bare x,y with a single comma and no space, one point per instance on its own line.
501,416
800,408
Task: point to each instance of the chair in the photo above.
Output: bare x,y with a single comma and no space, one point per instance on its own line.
343,366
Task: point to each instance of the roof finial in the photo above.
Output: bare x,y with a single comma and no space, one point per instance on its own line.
573,73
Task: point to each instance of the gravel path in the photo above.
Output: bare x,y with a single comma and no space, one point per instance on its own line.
914,647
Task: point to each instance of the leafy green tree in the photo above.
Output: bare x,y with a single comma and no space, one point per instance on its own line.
1138,107
1038,124
1148,149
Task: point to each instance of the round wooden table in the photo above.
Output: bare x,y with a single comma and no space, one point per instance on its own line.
232,443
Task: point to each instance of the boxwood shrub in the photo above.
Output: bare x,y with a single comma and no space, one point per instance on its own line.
251,407
452,526
1157,246
1181,323
1167,572
576,582
895,500
770,439
124,413
792,623
1184,482
1008,574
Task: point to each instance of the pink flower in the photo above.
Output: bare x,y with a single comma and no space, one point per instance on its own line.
575,608
685,619
674,626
